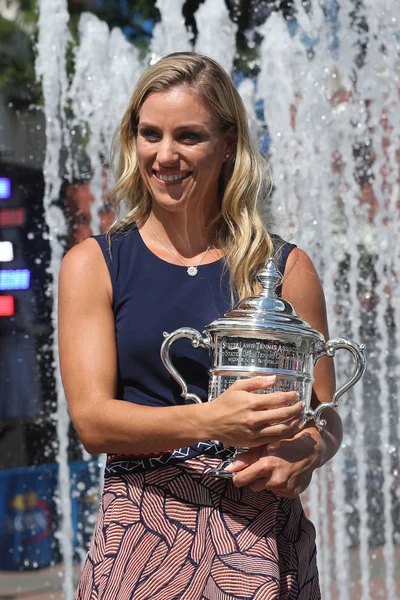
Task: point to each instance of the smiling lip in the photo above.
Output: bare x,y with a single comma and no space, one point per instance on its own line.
171,178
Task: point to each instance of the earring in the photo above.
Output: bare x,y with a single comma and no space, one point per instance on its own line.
227,156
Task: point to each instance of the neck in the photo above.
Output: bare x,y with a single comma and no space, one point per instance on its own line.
186,234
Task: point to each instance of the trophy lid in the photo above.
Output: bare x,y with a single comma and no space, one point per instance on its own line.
265,312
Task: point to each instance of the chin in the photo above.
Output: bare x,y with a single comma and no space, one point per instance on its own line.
171,204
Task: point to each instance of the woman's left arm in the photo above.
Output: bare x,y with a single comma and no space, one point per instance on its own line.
286,467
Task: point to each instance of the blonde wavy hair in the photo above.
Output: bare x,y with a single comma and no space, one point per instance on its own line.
245,183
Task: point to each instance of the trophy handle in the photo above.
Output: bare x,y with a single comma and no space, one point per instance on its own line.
197,340
329,349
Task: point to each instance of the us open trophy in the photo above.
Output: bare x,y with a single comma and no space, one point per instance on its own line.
264,336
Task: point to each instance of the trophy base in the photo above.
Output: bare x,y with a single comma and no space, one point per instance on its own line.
220,471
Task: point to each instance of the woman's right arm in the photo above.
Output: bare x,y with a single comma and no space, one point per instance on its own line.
88,359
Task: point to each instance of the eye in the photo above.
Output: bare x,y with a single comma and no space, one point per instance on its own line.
149,134
190,137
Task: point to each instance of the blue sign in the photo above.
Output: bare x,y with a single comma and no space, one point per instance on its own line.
15,279
5,188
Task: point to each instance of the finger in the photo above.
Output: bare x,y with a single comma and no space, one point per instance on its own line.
275,399
279,415
281,430
254,383
261,469
262,485
276,433
243,460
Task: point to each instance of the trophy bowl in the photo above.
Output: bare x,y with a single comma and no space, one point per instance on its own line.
264,336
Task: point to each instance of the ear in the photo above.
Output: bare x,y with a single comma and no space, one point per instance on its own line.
230,137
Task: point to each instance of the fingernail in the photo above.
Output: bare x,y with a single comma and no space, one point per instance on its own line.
269,378
232,467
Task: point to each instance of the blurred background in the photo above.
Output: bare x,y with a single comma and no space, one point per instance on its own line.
320,82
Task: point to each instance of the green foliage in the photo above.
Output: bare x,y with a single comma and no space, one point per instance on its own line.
7,29
18,38
17,74
130,17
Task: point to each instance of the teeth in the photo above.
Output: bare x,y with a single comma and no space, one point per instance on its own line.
169,178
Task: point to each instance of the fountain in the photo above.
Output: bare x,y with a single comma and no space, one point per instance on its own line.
327,92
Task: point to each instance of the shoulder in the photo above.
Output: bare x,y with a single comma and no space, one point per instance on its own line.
98,250
84,268
302,288
300,264
82,256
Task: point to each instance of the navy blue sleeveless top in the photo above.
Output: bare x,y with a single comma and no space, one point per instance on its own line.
151,296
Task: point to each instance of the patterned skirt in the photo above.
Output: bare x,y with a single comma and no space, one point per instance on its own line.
167,530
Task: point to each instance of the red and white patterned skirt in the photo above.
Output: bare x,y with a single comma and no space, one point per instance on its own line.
177,533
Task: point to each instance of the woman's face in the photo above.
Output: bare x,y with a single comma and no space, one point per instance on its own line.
181,150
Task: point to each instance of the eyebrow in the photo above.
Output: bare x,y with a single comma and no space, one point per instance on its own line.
181,127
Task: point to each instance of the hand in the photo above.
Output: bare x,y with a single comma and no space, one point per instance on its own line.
240,417
284,467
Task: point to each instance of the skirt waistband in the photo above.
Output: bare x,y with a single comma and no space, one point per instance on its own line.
118,464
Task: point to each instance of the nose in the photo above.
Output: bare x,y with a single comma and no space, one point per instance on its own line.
167,153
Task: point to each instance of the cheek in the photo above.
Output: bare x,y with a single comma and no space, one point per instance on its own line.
141,166
144,172
143,154
211,163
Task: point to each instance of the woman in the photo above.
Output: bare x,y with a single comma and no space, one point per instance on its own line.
191,244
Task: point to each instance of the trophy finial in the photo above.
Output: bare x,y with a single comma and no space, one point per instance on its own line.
270,278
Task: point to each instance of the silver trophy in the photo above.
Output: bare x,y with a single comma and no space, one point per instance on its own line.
264,336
